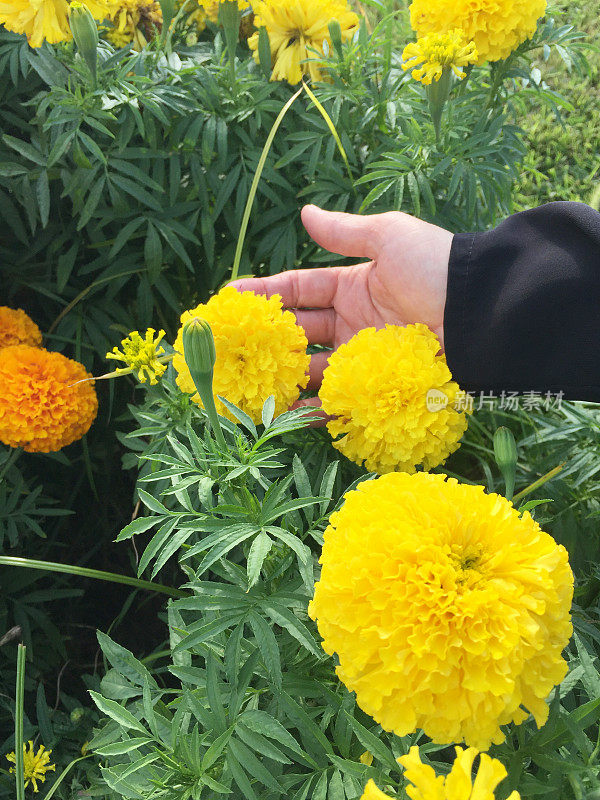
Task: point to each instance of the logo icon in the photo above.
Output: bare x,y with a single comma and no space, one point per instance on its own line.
436,400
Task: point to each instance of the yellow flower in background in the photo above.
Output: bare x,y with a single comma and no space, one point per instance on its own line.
36,765
366,758
296,27
43,20
46,400
194,15
447,609
133,22
260,352
141,355
16,327
378,386
211,8
436,52
497,28
457,785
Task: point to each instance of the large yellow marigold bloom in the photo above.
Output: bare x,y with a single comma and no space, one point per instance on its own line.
457,785
379,387
44,19
496,26
297,27
42,406
133,22
437,52
16,327
448,610
260,350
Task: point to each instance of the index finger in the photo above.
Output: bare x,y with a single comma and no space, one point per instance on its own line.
299,288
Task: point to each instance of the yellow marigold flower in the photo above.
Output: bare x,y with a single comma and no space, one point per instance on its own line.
211,8
141,355
457,785
16,327
36,765
260,352
44,19
437,52
378,386
297,27
448,610
497,28
133,22
45,400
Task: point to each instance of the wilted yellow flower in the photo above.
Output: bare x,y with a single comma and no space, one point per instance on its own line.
133,22
16,327
36,765
497,28
296,27
437,52
380,386
457,785
141,355
447,609
260,352
43,20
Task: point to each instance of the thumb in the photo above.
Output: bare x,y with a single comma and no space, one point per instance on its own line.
346,234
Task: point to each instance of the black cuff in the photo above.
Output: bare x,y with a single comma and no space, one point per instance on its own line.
523,304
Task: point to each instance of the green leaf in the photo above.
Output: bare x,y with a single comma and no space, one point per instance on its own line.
153,253
139,525
119,714
259,550
152,503
25,149
267,643
288,620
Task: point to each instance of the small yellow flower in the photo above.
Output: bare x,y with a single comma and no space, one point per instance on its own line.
134,22
378,387
36,765
297,27
141,355
438,52
260,351
457,785
448,610
497,28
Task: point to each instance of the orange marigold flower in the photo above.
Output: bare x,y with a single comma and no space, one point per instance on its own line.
17,328
45,400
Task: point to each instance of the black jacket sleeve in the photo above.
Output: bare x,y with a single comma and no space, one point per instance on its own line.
523,304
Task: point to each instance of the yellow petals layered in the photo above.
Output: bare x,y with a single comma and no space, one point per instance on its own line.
437,52
447,609
46,401
457,785
497,28
379,387
16,327
296,29
259,348
43,20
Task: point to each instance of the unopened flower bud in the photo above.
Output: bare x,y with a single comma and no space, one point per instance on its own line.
505,453
199,346
85,32
77,715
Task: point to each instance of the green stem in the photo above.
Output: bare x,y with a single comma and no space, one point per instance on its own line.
539,482
253,188
63,775
85,572
208,401
19,701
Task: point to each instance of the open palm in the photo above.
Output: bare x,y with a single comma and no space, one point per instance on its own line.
403,282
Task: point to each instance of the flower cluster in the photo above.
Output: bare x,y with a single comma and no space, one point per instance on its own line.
298,28
17,328
457,785
496,28
141,356
447,609
46,399
260,352
133,22
43,20
437,52
35,765
377,387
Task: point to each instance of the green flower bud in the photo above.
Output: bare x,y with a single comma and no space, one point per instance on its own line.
77,715
199,346
200,356
85,32
335,33
505,453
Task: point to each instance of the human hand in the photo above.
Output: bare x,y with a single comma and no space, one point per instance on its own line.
404,282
